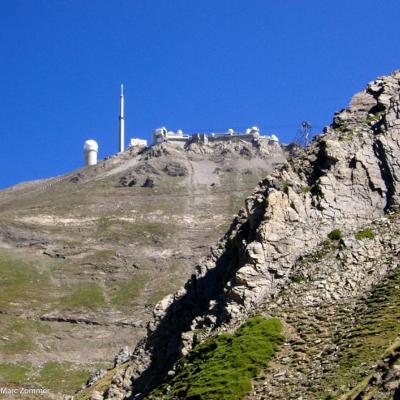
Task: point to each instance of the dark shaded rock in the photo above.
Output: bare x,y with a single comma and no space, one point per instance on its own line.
175,169
77,178
149,183
128,181
147,169
246,152
293,149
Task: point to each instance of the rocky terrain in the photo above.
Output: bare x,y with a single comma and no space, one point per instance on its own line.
84,257
316,246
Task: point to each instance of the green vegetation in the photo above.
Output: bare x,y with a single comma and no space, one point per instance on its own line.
19,335
57,377
100,257
324,248
14,373
121,231
365,234
336,234
103,223
222,367
389,358
23,283
159,294
62,377
306,189
373,118
349,137
100,385
85,295
297,278
125,293
286,185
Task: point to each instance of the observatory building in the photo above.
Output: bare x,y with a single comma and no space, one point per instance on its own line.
137,142
251,135
90,150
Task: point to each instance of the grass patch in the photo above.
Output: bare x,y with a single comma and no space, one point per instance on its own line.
125,293
139,231
85,295
324,248
336,234
99,257
62,377
158,295
222,367
23,283
297,278
19,335
365,234
65,377
15,373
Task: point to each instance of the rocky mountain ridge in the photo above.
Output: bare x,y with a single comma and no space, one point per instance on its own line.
346,180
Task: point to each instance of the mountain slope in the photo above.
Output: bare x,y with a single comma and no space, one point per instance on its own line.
346,180
84,257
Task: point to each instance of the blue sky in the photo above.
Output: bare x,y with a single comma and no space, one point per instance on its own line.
192,65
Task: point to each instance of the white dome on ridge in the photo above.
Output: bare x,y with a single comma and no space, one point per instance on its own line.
90,145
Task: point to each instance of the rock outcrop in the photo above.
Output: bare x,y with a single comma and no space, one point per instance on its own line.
347,178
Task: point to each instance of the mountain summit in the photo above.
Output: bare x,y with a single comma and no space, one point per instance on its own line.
316,247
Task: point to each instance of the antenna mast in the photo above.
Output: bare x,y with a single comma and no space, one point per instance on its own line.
121,122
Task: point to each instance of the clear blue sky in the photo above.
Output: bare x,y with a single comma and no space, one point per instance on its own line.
196,65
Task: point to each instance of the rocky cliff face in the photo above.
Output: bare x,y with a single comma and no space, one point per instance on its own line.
346,180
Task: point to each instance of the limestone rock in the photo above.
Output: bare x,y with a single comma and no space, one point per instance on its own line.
122,356
96,396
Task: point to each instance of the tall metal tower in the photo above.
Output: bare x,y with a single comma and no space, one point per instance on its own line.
121,122
305,133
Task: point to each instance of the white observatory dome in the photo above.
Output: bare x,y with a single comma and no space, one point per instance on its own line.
90,145
90,149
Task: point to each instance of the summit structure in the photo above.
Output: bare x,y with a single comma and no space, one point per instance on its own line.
251,135
121,122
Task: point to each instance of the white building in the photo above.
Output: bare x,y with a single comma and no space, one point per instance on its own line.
251,135
90,150
161,135
136,142
274,138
